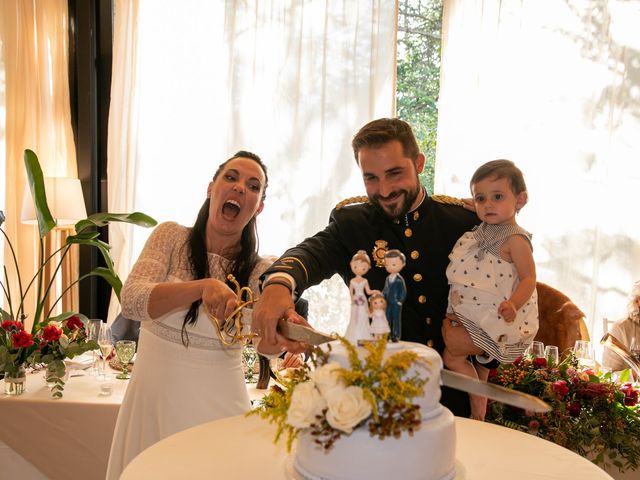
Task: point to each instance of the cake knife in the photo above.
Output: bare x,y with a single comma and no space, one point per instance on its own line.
302,333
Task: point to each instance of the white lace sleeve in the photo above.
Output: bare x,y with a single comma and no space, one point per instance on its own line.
163,259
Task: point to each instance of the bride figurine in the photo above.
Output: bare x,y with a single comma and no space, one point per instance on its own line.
358,328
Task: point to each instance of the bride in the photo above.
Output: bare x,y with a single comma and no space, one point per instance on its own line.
183,375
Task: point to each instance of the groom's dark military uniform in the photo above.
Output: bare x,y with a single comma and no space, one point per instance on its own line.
425,235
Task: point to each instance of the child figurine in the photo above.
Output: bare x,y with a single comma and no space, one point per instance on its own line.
394,291
358,328
377,308
493,277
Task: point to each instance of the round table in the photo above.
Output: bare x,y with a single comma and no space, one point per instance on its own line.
242,447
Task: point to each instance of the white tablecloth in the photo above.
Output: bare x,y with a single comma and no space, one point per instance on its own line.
241,448
66,439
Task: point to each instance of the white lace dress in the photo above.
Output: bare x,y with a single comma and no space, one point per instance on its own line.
173,387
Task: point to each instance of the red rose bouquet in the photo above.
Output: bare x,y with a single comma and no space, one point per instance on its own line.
592,414
16,346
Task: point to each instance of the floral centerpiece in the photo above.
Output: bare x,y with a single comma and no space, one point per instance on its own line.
51,339
592,414
332,401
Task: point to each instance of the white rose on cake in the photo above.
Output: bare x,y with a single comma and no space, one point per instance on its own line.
326,377
306,404
347,407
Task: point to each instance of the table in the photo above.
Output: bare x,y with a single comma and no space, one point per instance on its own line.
486,451
67,439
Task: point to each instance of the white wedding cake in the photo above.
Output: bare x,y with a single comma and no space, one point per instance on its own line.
428,454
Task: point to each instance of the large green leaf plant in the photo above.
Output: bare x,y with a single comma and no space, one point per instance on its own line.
14,314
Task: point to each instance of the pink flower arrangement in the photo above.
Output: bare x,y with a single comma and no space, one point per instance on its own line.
592,414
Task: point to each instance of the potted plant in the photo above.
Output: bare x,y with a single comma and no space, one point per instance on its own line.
52,339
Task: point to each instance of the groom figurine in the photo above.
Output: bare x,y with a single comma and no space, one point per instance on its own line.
395,290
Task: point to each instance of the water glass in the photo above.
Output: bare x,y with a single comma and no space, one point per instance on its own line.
249,359
584,353
92,327
535,350
551,354
125,350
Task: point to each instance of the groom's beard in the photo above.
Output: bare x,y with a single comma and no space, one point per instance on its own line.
397,203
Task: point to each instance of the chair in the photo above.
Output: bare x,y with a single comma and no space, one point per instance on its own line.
561,322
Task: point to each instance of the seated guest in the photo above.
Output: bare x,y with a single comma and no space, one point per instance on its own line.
125,329
625,330
184,376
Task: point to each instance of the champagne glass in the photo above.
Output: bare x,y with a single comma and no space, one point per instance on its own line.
551,354
92,327
584,353
105,342
125,349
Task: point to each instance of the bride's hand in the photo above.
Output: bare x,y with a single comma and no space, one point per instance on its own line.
218,298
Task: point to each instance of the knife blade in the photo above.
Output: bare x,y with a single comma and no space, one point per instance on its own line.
494,392
293,331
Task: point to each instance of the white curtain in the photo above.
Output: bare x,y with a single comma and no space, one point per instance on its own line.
35,114
555,87
292,81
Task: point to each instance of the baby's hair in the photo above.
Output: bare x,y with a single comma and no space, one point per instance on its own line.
361,256
501,169
373,297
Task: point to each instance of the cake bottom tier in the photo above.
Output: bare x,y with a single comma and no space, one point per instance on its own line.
429,454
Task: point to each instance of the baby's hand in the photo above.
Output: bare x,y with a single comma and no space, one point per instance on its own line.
508,311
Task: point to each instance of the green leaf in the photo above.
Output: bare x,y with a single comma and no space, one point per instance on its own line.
111,278
4,315
625,376
46,223
102,219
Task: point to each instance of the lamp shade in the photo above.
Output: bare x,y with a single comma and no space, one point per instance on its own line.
65,200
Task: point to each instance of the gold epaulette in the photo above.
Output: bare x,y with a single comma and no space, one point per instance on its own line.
350,200
447,200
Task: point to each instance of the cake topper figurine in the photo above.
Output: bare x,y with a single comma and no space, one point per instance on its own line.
358,328
377,310
395,290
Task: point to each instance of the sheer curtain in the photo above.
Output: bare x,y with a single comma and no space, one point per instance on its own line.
193,82
36,115
554,86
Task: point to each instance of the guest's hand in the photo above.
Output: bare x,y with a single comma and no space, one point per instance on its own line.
457,339
292,360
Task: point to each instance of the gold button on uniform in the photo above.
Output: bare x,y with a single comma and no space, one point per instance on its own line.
429,343
429,321
415,254
417,277
422,299
408,232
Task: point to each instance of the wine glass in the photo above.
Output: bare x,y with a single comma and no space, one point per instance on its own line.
92,327
634,348
105,342
535,350
125,349
584,353
551,354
